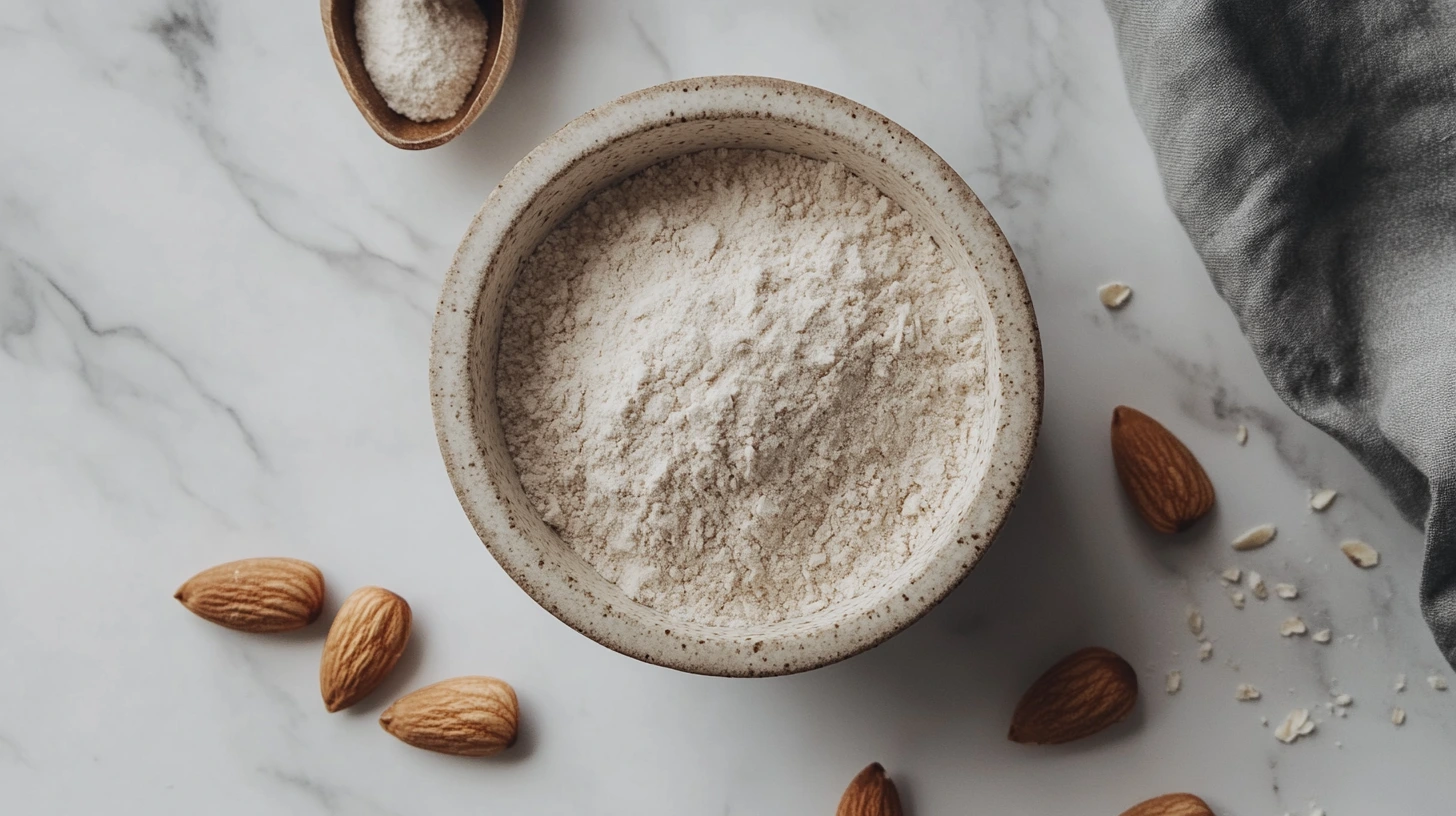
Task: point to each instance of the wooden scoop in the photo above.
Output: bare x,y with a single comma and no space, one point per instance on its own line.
504,17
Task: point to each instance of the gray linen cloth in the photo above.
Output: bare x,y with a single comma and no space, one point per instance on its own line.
1309,149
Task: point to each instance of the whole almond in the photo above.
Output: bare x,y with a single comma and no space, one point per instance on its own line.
870,793
1082,694
365,641
465,716
1172,804
1167,486
256,594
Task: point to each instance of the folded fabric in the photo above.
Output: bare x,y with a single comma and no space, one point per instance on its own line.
1309,150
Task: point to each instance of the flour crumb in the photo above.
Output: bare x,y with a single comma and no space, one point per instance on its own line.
743,385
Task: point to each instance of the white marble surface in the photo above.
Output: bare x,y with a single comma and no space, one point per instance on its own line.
215,296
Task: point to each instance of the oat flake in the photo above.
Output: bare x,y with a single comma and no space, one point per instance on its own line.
1255,537
1175,681
1397,716
1114,295
1256,585
1296,724
1286,591
1292,626
1245,692
1360,554
1195,621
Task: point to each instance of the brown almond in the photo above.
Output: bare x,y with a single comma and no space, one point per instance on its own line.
465,716
870,793
365,641
1172,804
1165,483
256,594
1082,694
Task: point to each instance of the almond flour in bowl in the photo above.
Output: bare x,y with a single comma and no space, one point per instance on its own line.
845,606
741,384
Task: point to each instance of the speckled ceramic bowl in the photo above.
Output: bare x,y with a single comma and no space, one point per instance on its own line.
601,148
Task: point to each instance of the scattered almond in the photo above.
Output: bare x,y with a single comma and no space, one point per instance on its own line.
1292,626
1246,692
1172,804
1256,585
464,716
1397,716
1114,295
1241,434
1322,636
870,793
1082,694
256,594
1175,682
1231,575
1255,537
1237,598
365,641
1297,724
1437,682
1321,499
1286,591
1166,485
1360,554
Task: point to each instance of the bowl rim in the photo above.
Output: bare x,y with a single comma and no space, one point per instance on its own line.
725,651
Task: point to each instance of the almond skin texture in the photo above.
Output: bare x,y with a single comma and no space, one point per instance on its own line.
256,594
871,793
1172,804
367,638
1084,693
464,716
1165,483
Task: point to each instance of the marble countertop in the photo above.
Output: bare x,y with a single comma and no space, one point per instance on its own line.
216,287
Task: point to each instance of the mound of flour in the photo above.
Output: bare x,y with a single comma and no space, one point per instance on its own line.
742,384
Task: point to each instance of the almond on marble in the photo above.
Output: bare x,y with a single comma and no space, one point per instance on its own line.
366,640
256,595
1083,693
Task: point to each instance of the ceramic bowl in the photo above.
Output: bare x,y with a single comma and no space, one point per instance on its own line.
601,148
